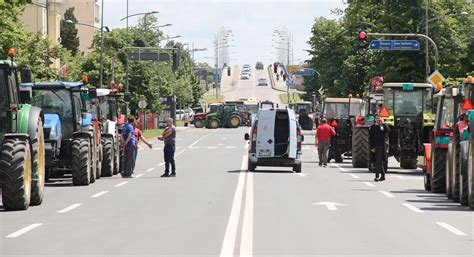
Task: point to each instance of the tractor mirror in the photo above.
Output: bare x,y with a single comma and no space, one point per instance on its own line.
247,137
25,75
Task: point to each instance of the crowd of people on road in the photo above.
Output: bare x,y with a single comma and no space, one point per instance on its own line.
131,136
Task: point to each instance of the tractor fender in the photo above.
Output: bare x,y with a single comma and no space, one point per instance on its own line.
51,121
23,118
427,152
82,134
87,121
22,136
34,115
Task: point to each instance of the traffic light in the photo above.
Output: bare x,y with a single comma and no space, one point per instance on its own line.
362,43
275,68
228,71
176,58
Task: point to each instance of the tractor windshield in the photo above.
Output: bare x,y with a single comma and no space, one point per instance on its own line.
299,107
56,102
411,103
447,118
341,110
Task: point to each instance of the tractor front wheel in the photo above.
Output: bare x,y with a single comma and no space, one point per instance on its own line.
214,124
360,147
234,121
470,175
81,163
438,172
38,166
108,161
463,185
449,175
15,171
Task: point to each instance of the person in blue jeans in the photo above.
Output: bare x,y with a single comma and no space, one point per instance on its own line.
128,134
169,138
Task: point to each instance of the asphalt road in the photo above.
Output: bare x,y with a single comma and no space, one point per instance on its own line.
214,207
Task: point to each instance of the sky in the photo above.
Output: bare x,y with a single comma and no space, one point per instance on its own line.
252,23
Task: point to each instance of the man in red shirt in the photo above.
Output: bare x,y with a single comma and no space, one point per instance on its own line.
138,136
323,141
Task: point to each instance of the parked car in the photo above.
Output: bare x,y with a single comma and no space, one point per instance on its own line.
262,82
245,76
275,140
184,115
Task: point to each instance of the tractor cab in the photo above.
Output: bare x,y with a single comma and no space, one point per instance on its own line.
226,116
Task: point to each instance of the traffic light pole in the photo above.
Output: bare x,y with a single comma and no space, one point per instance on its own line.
412,35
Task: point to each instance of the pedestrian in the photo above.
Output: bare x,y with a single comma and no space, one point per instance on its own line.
378,133
324,132
169,138
139,136
128,135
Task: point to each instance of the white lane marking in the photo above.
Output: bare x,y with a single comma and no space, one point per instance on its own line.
70,208
100,194
330,205
228,244
230,147
180,152
451,229
139,176
339,167
303,174
246,242
387,194
201,138
24,230
121,184
369,184
193,148
160,164
150,169
212,147
408,178
413,208
354,176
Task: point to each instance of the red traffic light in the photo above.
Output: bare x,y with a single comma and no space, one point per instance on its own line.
362,35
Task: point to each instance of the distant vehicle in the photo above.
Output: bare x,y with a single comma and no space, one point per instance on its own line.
246,66
262,82
275,140
184,115
259,66
245,76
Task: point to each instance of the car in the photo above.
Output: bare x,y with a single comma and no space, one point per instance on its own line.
246,70
184,114
245,76
275,140
259,66
262,82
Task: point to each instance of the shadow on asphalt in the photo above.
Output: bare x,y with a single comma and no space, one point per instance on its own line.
447,207
261,171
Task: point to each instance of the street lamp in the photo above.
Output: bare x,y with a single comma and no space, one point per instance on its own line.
87,25
161,26
137,14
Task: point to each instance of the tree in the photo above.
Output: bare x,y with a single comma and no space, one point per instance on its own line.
68,32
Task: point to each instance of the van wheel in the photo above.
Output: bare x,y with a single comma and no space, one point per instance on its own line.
297,168
251,166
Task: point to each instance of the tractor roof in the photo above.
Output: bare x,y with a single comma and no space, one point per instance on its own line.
342,100
57,84
103,91
415,85
9,63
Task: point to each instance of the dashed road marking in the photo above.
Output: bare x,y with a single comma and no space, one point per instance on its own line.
230,147
24,230
408,178
413,208
212,147
100,194
451,229
387,194
139,176
121,184
70,208
150,169
193,148
369,184
354,176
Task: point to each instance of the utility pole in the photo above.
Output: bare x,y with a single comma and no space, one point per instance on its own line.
102,43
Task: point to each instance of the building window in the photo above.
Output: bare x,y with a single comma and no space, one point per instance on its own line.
97,13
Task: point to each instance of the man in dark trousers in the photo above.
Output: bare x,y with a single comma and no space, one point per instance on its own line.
324,132
128,135
169,138
378,132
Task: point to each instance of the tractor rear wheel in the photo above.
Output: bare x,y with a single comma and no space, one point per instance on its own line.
470,171
199,124
456,165
463,179
449,174
81,163
408,162
93,159
360,147
234,121
116,155
38,166
15,171
108,161
438,170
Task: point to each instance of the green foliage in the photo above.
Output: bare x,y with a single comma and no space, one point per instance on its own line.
68,32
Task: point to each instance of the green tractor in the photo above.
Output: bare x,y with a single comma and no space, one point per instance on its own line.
410,119
226,116
22,158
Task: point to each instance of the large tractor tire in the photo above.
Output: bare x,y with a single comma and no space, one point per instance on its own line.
449,174
117,153
98,162
214,123
15,174
94,157
438,170
456,165
234,121
470,170
360,147
81,163
109,159
463,179
199,124
38,166
408,162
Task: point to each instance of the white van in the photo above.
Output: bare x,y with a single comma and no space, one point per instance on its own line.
275,140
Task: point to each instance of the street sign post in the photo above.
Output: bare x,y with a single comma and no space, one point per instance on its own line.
395,45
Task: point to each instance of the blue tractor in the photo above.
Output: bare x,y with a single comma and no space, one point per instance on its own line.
70,144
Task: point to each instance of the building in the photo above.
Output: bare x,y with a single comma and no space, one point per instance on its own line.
45,16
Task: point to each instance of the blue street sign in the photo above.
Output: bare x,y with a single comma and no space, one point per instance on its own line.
395,45
304,73
216,77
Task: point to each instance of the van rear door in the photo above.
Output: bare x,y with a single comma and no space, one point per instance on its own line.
265,134
293,137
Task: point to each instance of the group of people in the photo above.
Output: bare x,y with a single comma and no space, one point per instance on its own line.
131,136
378,133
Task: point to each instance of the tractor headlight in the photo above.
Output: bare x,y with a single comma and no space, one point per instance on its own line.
53,133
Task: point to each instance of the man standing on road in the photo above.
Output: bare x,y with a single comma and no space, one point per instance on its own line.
128,135
169,138
323,141
378,132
